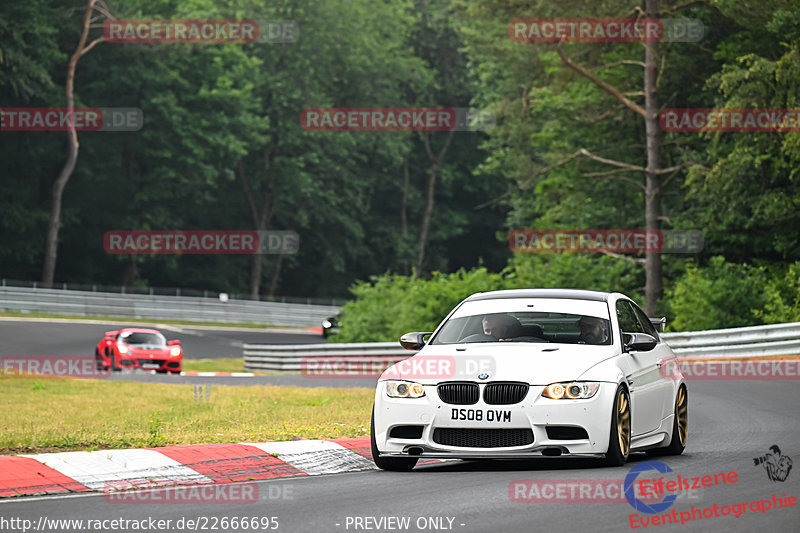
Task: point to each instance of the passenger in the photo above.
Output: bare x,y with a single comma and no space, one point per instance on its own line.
593,330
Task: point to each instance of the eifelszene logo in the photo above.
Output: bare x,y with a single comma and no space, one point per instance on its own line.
638,504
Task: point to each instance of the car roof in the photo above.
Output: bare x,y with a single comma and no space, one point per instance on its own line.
573,294
140,330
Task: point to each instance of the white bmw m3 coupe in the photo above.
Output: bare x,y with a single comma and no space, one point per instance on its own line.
532,372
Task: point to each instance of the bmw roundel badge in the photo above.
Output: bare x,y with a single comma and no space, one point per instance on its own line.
483,375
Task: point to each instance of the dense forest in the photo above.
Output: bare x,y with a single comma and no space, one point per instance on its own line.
409,222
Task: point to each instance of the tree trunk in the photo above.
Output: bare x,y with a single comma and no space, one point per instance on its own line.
653,172
54,224
256,266
426,220
276,276
131,273
404,199
436,162
261,219
653,285
405,259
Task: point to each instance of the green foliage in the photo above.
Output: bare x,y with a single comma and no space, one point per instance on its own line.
222,119
155,430
29,52
576,271
751,190
390,305
783,297
721,295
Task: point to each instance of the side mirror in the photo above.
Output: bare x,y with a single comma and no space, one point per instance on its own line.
638,342
173,343
659,323
414,341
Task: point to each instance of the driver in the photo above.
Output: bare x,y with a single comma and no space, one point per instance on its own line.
498,326
593,330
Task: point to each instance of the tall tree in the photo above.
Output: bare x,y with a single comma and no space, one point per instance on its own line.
93,7
565,131
293,177
652,171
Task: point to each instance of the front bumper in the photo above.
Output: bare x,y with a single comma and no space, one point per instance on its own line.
534,413
158,363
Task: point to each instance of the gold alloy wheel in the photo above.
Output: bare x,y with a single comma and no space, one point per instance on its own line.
682,415
623,424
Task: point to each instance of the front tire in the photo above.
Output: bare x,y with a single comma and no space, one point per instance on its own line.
680,426
619,440
111,362
394,464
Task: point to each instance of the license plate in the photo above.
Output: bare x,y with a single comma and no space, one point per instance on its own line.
150,365
481,415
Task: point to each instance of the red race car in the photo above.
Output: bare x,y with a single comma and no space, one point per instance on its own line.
141,348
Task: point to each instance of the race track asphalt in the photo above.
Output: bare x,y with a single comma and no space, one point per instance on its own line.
730,423
79,338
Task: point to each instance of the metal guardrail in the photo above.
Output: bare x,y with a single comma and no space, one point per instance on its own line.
751,341
754,341
288,358
190,308
167,291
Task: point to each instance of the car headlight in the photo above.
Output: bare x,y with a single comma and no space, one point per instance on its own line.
326,323
175,351
122,348
404,389
575,390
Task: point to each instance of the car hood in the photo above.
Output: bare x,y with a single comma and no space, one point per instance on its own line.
534,363
145,350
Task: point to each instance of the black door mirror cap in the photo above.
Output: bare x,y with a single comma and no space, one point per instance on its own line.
414,340
638,342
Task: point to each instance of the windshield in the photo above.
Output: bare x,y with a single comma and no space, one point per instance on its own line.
523,326
150,339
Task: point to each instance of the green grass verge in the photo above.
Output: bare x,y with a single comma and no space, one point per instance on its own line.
214,365
107,318
56,414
